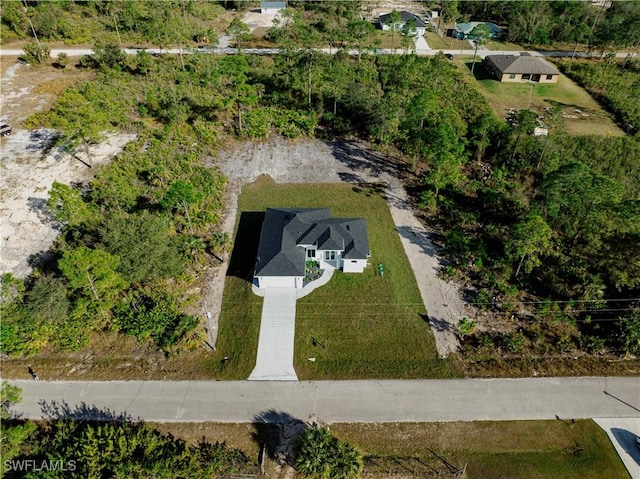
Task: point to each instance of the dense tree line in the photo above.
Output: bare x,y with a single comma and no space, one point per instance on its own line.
135,21
542,23
113,447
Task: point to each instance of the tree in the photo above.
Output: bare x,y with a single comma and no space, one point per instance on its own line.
8,395
239,31
446,157
359,33
395,19
92,272
144,244
630,333
320,455
181,194
529,239
79,115
481,36
581,204
449,12
409,32
67,205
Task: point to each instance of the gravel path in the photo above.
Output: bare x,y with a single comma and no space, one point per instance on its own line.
315,161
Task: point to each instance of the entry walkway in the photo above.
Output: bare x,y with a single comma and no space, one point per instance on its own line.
277,329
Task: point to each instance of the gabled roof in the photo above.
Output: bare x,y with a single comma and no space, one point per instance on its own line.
285,229
404,18
522,64
468,27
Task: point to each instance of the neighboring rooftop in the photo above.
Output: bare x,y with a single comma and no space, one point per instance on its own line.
467,28
404,18
524,63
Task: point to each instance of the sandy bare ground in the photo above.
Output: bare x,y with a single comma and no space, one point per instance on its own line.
29,166
315,161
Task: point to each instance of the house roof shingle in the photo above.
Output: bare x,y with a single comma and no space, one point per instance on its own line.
284,229
468,27
522,64
404,18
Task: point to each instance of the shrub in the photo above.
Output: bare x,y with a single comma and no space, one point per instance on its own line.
321,455
36,53
465,328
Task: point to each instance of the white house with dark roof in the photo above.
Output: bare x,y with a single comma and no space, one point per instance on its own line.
292,236
272,7
386,23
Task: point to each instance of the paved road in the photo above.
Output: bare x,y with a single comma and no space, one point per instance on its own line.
224,50
341,401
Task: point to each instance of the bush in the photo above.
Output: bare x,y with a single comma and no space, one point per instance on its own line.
35,53
321,455
465,328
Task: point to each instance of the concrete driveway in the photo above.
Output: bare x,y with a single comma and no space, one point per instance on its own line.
623,433
277,330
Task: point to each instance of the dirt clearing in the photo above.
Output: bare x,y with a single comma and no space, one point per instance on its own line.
29,164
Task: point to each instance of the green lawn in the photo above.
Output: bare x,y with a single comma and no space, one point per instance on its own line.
437,42
593,119
366,326
490,449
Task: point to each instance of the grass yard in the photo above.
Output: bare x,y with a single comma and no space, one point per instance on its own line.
500,45
366,326
437,42
504,449
591,119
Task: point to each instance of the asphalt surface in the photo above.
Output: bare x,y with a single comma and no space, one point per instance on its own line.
335,401
274,51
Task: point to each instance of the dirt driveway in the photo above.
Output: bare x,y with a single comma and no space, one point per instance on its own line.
315,161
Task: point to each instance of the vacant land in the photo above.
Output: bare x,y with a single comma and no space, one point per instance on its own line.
582,114
364,325
514,449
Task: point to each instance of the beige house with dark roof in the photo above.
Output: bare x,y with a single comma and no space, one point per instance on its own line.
521,68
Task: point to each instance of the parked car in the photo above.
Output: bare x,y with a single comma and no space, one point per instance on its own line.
449,56
5,130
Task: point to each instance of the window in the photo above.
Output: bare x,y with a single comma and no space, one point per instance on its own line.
512,76
526,76
354,260
329,255
549,77
311,253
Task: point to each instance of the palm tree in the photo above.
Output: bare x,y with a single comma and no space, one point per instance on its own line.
320,455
